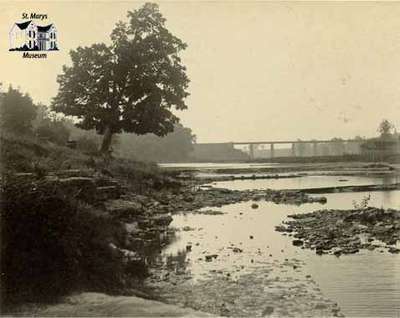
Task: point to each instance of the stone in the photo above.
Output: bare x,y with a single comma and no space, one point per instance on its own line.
297,242
162,219
107,192
237,250
124,208
394,250
81,188
209,258
267,311
337,252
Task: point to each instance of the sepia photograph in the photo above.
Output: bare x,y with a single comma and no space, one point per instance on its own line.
199,158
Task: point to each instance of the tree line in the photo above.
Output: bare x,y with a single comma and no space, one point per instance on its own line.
128,88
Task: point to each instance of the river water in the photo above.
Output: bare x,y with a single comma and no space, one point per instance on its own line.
366,284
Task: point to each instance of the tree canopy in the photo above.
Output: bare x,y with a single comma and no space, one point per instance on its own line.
174,147
16,111
385,128
132,84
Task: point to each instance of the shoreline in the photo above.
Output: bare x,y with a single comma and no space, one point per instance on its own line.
130,208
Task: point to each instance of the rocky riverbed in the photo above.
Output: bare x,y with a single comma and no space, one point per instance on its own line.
273,288
345,231
200,197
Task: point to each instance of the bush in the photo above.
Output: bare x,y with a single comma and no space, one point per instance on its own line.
52,245
17,111
87,144
25,154
54,131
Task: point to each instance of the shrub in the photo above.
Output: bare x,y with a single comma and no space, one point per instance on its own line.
52,245
87,144
17,111
54,131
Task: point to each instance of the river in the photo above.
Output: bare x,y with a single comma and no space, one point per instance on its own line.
366,284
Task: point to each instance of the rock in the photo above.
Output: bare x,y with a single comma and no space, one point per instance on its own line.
68,173
280,228
81,188
268,311
209,212
254,206
337,253
187,228
297,242
161,219
124,208
25,176
319,251
209,258
394,250
320,306
107,193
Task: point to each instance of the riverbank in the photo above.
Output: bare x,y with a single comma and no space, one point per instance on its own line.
143,231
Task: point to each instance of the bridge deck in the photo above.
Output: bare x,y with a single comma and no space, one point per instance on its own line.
293,142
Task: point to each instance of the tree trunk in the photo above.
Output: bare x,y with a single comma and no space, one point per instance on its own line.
105,146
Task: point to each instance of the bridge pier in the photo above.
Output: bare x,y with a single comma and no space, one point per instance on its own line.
251,151
293,150
272,151
315,149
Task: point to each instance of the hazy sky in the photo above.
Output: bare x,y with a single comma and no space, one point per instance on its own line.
258,70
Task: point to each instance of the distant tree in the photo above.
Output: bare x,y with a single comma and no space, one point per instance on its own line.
54,130
385,128
47,125
130,85
17,111
175,146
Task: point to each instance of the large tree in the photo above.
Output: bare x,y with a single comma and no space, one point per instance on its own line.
131,85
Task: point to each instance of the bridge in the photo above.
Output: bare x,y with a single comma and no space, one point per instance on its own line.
314,147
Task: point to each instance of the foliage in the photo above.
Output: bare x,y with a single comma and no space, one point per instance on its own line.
385,128
363,204
52,244
16,111
176,146
54,131
87,144
130,85
26,154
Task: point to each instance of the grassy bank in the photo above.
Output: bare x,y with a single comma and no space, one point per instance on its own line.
56,237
